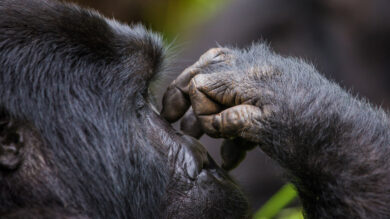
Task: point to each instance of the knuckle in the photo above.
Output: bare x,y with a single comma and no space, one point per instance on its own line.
199,81
193,72
211,54
234,119
214,51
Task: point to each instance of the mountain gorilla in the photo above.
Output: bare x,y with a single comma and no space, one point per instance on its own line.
79,137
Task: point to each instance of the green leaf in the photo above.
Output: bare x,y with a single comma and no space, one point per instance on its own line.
277,202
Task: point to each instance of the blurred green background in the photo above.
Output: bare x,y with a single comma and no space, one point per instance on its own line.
172,18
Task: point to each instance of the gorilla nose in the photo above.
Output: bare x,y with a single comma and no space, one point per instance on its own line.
194,161
192,157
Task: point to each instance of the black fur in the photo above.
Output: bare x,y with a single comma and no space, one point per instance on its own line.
74,90
76,83
334,146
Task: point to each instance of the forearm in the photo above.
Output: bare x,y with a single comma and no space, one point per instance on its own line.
334,147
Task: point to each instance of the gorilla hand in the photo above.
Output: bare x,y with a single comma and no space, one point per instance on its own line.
225,101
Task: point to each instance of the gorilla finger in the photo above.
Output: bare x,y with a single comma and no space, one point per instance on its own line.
213,56
233,122
175,100
190,124
233,152
175,104
183,80
201,103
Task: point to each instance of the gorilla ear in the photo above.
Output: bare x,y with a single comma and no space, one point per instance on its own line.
11,143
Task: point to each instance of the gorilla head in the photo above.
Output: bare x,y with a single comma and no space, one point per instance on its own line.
79,137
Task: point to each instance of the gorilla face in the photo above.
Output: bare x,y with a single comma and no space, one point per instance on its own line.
197,187
78,133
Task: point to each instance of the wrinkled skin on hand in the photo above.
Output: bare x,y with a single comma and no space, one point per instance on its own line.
220,100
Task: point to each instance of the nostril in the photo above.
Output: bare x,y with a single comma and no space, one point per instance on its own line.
195,160
192,156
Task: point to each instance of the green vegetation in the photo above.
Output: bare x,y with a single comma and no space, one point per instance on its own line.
274,207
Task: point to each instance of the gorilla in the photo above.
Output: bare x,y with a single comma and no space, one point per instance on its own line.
80,137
